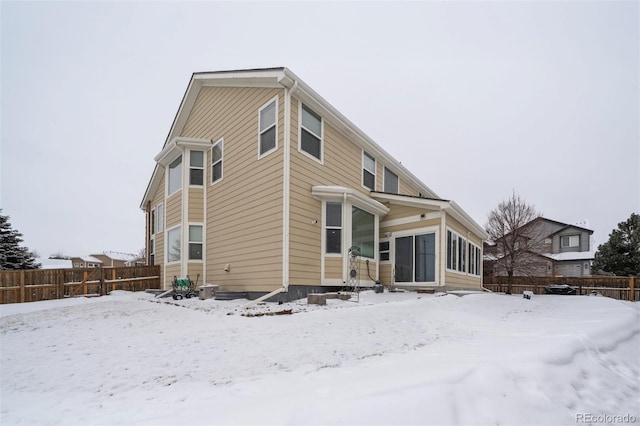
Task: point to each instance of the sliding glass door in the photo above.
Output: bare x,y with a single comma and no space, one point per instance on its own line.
415,258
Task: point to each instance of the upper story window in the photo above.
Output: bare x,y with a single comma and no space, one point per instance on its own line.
196,168
390,182
333,225
569,241
268,128
368,171
311,133
216,161
175,176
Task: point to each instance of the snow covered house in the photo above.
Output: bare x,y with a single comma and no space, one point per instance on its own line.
87,261
116,259
564,250
263,187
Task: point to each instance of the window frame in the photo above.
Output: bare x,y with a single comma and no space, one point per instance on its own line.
220,161
328,227
274,125
568,239
190,242
386,251
365,170
192,167
159,210
320,138
176,229
384,183
178,175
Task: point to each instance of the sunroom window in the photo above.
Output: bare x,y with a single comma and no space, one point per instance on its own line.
363,231
174,243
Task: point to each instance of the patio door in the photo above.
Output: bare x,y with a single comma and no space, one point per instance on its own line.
415,258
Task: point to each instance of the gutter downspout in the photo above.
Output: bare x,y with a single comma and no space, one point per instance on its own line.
286,186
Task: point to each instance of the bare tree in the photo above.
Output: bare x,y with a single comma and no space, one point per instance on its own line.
518,237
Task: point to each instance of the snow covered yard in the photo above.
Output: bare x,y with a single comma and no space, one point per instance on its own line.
392,358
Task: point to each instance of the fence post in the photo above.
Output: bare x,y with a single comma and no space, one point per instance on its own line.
84,281
113,278
60,283
632,291
22,289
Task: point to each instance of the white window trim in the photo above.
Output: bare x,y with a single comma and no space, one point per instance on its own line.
384,180
166,244
204,174
275,124
159,218
475,259
413,232
221,142
457,236
167,172
324,229
375,176
300,127
200,224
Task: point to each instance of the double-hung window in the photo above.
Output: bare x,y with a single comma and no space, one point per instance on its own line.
195,242
368,171
196,168
268,128
390,182
570,241
311,133
175,176
333,226
216,161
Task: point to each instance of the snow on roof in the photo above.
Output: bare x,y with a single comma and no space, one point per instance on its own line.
116,255
571,255
89,258
54,263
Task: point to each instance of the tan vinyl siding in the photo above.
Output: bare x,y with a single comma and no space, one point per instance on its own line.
413,226
159,236
342,167
173,210
386,273
244,209
333,268
407,189
196,205
172,270
194,269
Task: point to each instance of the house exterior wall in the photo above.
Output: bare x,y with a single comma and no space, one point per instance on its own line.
243,225
583,245
457,279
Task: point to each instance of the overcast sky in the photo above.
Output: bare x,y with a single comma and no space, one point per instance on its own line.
477,99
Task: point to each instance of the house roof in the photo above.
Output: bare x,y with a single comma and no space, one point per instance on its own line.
116,255
87,258
571,255
565,225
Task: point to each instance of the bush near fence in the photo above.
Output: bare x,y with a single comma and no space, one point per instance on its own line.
33,285
616,287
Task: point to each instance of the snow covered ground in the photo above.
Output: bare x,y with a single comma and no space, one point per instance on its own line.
392,358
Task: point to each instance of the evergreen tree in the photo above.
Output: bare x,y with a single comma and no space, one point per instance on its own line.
12,254
621,254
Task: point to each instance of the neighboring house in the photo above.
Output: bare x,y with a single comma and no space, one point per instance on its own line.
263,187
86,262
117,259
564,250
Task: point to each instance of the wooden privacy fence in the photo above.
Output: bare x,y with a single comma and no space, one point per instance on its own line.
32,285
621,288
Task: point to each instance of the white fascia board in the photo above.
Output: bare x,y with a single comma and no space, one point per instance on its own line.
410,201
337,193
462,217
177,145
